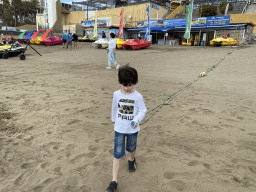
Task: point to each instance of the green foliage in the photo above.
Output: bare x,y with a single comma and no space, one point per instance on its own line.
208,10
223,6
19,12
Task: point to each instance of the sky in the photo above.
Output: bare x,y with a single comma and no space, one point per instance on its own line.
66,1
70,1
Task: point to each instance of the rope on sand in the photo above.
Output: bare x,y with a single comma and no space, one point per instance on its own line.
171,96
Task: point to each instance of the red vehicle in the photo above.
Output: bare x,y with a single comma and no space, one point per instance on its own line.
53,40
136,44
44,37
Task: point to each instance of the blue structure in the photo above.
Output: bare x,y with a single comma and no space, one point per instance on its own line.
212,22
28,36
175,28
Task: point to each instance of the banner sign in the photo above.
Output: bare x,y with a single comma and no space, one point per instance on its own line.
101,23
148,27
174,22
189,11
160,23
99,32
144,24
199,21
154,6
218,20
121,23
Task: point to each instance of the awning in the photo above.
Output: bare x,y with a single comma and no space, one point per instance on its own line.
153,29
162,29
184,27
136,29
211,26
225,26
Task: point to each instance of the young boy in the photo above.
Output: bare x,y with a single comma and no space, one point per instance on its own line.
127,107
112,52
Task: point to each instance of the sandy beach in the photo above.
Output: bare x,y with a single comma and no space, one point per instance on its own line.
56,133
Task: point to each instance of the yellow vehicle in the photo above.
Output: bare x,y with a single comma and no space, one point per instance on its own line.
119,43
225,41
38,40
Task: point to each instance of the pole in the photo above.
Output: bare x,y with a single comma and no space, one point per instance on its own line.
87,10
199,37
156,30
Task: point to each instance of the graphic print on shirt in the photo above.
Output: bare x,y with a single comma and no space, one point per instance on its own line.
126,109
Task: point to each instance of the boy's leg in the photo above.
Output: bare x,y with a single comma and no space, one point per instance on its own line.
132,155
115,169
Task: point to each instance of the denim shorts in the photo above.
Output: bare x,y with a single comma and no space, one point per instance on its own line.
119,148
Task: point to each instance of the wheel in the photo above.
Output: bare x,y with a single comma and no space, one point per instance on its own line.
22,57
5,56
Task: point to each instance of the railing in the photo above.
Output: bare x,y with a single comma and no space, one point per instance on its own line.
248,2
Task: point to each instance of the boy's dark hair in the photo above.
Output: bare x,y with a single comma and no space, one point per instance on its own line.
112,35
127,75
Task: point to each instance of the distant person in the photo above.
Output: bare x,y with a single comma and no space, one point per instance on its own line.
69,41
112,52
9,39
103,35
64,39
3,39
75,39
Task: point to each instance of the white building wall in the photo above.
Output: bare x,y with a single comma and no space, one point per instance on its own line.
52,13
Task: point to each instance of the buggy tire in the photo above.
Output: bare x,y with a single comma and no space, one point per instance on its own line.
22,57
5,56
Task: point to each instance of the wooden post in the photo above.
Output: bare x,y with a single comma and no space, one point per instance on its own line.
199,38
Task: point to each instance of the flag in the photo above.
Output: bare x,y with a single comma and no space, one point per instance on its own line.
95,34
189,11
226,9
147,36
121,23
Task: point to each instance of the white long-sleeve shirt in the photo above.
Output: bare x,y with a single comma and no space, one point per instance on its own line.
112,44
127,108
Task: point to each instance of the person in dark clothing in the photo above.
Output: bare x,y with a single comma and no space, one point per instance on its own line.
75,39
103,35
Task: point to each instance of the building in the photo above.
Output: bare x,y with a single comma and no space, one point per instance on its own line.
135,18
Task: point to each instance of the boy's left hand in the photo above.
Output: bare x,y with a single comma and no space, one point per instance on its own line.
135,125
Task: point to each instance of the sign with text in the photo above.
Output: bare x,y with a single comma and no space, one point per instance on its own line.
218,20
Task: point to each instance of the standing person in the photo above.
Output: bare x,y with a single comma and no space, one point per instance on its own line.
103,35
75,39
3,39
9,39
64,39
112,52
127,107
69,41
